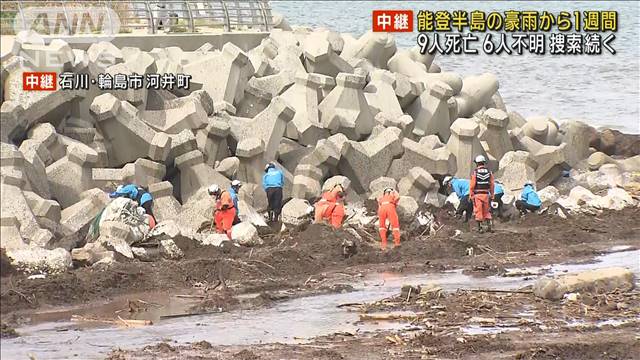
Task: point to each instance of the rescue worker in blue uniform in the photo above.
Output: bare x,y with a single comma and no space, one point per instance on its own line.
461,188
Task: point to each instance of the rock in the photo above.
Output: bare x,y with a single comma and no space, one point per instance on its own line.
228,167
617,199
548,195
116,244
613,142
377,186
407,209
296,211
409,292
37,260
90,254
594,281
214,239
170,250
516,167
598,159
246,234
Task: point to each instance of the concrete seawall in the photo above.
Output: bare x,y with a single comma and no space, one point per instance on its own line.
146,42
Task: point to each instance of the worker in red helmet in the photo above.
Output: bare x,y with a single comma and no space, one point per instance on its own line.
481,189
387,204
330,208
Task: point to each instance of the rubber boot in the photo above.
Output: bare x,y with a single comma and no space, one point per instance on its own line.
480,228
489,227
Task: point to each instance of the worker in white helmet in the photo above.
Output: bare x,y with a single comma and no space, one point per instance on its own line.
224,212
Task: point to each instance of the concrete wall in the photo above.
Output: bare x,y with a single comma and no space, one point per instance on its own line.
187,42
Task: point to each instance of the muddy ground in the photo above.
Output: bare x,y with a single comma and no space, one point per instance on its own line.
310,260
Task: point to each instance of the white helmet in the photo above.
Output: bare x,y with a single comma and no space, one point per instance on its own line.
529,183
447,180
236,183
387,190
213,189
480,159
269,166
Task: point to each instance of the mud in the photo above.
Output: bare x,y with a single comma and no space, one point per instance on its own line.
288,260
309,261
601,344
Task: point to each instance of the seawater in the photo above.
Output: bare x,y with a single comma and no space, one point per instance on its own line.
602,90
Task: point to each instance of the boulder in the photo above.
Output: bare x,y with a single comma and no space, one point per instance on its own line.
548,195
90,254
246,234
296,211
38,261
407,209
594,281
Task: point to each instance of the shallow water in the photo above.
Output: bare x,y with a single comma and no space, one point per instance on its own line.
288,322
602,90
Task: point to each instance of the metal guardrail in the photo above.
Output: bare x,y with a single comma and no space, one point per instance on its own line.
155,16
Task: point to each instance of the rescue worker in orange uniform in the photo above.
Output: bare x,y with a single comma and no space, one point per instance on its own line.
481,191
330,207
387,204
225,211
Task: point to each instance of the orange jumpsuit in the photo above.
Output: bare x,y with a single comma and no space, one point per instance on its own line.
330,208
387,210
480,190
225,213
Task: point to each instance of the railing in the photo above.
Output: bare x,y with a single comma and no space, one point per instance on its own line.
132,16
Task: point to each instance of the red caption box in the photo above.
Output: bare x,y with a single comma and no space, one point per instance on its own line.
39,81
392,20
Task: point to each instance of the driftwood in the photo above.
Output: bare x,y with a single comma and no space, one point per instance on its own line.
501,291
388,316
121,321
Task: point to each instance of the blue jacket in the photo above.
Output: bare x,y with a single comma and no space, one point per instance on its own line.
530,196
497,189
145,197
132,192
460,187
129,191
273,178
234,197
